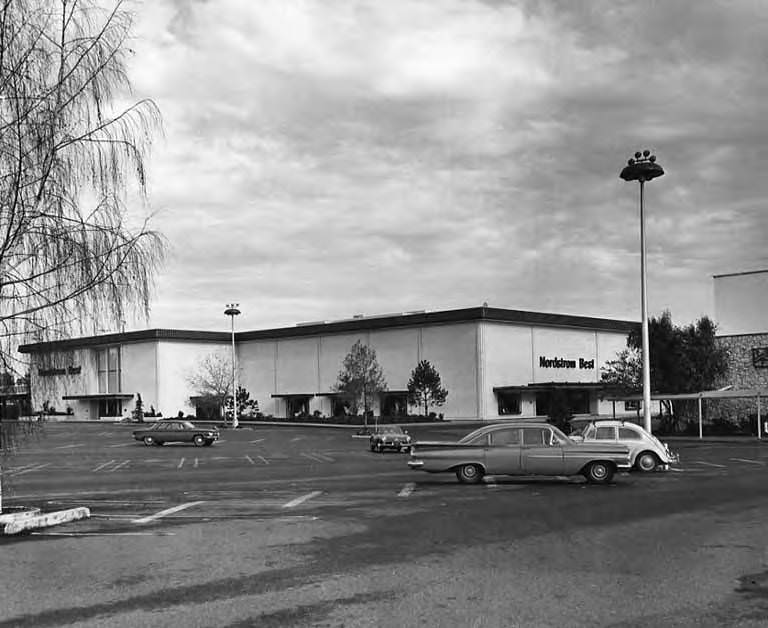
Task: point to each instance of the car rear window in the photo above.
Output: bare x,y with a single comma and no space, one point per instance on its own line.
627,433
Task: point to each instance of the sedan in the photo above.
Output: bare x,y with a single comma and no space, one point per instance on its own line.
520,449
646,452
176,432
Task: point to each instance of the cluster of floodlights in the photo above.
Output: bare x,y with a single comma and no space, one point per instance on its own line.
642,167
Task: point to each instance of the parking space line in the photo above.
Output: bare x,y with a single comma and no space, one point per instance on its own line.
747,460
295,438
249,459
709,464
258,440
324,458
407,489
311,457
676,469
302,499
69,446
101,466
181,463
35,468
122,445
117,466
166,512
263,459
196,463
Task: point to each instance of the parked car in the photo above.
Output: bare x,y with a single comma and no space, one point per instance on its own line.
389,437
176,431
519,449
646,452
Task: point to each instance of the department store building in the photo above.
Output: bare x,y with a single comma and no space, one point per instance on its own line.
495,363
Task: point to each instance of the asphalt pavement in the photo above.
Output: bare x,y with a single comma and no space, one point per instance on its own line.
302,526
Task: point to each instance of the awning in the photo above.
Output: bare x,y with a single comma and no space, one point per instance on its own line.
292,395
535,386
99,396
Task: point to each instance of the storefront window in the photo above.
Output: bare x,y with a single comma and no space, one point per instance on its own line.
110,407
297,406
578,401
394,404
509,402
108,366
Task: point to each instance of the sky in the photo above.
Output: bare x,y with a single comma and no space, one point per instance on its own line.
326,158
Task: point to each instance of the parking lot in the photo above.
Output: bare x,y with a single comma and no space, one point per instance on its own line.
298,506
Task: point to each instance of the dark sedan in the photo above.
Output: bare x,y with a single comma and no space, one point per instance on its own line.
176,431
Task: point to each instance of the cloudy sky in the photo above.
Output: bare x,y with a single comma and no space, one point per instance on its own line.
324,158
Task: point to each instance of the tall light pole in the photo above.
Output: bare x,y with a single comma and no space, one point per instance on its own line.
643,168
232,311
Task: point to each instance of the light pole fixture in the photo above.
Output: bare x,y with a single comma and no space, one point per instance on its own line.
642,168
232,311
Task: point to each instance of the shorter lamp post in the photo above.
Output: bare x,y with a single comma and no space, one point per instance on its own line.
232,311
643,168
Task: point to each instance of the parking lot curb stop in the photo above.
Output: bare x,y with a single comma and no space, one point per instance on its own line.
23,521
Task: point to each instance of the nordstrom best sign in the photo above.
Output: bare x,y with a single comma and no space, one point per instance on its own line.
562,363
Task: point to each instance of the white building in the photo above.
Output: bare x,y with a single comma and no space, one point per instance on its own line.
495,363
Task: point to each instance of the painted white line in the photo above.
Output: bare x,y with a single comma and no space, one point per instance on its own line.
709,464
324,458
747,460
69,446
302,499
311,457
35,468
220,458
249,459
676,469
21,468
122,445
263,459
407,489
166,512
258,440
117,466
181,463
295,438
103,533
196,463
101,466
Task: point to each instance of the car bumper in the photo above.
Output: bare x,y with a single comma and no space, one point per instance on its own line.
415,464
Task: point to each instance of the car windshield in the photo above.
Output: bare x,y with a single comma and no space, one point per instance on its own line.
390,429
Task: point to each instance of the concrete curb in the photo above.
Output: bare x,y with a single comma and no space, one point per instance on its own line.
25,521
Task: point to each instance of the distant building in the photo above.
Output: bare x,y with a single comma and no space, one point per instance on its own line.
741,314
495,363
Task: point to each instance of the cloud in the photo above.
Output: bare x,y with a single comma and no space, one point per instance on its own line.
322,157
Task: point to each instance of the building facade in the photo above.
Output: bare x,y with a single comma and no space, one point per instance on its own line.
495,363
741,314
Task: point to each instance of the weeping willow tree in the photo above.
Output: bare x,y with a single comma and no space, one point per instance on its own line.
74,256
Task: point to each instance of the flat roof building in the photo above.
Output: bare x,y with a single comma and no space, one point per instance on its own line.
495,363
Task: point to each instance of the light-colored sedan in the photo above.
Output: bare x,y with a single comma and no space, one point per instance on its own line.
519,449
646,452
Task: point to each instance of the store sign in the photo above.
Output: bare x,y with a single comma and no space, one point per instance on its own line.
760,357
70,370
563,363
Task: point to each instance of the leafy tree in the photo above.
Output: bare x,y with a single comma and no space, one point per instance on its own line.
72,255
425,387
245,405
625,373
361,378
682,360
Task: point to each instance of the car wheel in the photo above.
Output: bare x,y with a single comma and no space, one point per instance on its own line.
148,440
646,461
469,473
199,440
380,447
599,473
373,446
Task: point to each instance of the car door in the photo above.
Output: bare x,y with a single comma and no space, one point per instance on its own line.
167,432
541,453
502,452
